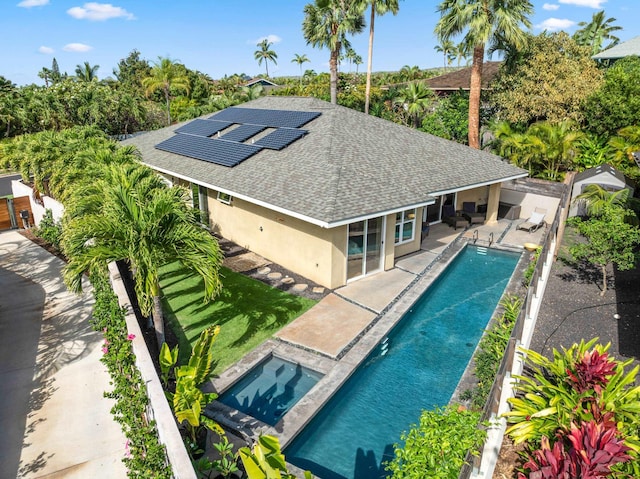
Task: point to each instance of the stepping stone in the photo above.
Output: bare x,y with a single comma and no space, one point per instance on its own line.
299,287
318,290
288,280
274,275
264,270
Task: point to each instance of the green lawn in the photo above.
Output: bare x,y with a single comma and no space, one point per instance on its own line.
247,311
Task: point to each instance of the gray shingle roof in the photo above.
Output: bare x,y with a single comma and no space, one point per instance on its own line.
621,50
348,166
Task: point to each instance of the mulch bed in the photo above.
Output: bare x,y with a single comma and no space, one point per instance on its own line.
572,310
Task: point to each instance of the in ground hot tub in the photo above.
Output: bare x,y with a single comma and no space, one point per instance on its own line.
270,389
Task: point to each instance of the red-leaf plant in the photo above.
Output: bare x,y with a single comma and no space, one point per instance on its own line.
591,371
587,452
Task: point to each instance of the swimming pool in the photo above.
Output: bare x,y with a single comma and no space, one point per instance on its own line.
270,389
419,368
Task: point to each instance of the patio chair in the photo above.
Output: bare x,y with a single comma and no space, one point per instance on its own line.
450,217
469,212
535,221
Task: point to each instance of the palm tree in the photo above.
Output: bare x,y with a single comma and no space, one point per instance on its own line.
128,214
378,7
165,75
447,49
596,199
409,73
625,144
266,55
357,61
594,33
414,100
482,22
86,72
554,146
326,24
460,52
300,59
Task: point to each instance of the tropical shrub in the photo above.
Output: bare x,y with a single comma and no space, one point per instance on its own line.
437,447
579,385
491,350
188,401
49,230
588,452
144,456
266,460
531,267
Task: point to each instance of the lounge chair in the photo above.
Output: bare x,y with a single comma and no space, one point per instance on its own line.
469,212
450,217
535,221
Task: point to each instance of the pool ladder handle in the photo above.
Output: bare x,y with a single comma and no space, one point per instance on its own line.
475,237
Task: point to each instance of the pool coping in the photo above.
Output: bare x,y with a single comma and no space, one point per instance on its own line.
337,371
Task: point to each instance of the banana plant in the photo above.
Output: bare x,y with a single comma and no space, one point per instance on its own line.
188,402
202,354
266,460
168,360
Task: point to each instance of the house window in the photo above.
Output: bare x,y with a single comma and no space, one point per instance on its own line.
405,226
224,198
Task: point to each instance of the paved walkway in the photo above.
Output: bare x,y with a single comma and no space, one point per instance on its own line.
342,316
54,419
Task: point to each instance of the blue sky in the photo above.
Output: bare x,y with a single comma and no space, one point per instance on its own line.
219,37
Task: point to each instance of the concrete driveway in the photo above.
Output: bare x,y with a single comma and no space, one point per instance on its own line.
54,419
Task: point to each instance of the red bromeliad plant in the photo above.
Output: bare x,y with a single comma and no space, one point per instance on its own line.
588,451
591,371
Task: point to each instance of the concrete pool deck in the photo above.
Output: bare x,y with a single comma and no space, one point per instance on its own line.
337,334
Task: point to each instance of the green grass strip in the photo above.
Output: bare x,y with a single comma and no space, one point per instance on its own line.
247,310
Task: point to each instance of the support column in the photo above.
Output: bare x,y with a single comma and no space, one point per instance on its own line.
493,203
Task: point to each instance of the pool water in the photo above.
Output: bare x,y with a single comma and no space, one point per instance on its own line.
270,389
418,368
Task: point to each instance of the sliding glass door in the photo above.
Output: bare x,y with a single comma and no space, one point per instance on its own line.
364,248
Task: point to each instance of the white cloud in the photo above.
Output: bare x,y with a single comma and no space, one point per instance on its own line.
584,3
554,24
550,6
97,12
270,38
46,50
33,3
77,47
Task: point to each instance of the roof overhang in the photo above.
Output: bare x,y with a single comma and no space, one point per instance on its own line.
307,219
478,185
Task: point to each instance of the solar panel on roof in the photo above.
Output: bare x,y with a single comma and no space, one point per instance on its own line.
202,127
280,138
243,132
271,118
220,152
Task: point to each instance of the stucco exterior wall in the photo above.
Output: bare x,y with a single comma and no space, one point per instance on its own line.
479,196
38,210
314,252
529,202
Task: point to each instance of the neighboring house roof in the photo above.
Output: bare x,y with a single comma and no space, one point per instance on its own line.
461,79
603,172
621,50
348,166
261,81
